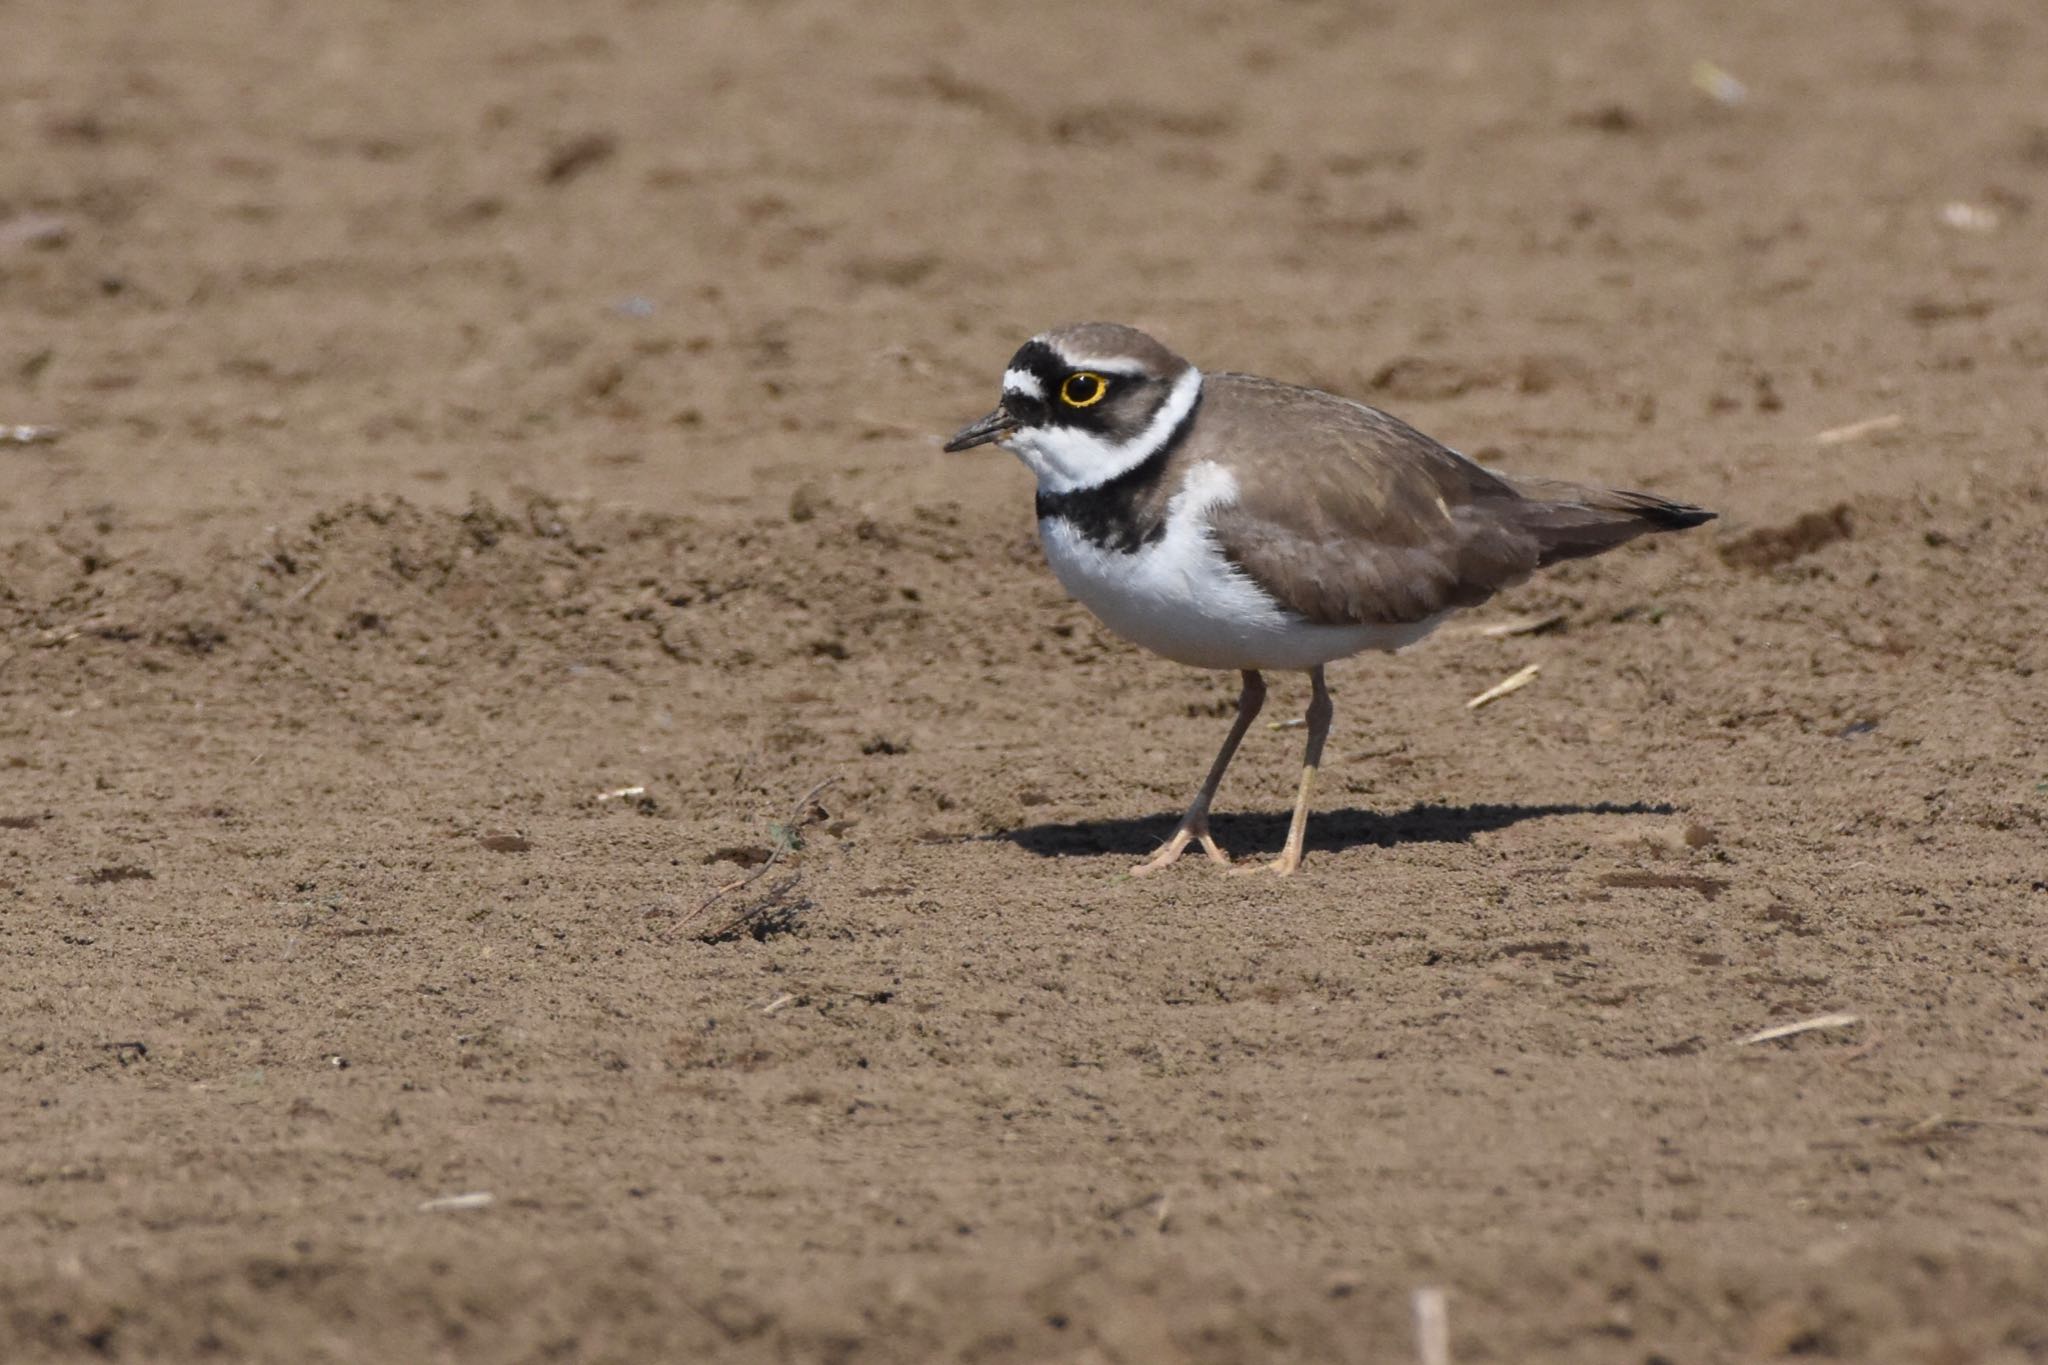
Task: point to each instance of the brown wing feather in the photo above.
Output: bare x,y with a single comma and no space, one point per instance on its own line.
1367,521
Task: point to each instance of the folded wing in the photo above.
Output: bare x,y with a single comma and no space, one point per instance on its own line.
1368,521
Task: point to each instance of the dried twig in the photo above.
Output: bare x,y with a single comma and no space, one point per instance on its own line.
1522,625
1967,217
55,637
450,1203
34,229
312,585
29,436
792,829
1512,625
1513,683
1869,426
1934,1123
1717,84
1156,1201
762,916
1432,1327
1803,1026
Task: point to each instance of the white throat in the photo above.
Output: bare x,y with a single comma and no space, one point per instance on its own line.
1066,459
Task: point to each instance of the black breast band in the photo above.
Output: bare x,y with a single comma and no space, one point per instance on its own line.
1107,515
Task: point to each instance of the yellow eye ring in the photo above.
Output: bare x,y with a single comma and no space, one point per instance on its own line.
1084,389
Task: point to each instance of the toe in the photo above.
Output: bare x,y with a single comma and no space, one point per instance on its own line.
1279,867
1164,858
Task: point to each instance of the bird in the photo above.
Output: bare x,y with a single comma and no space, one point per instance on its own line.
1230,522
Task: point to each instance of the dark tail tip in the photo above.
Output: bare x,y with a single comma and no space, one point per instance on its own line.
1662,514
1679,516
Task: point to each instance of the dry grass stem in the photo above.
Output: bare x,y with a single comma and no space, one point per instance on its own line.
1820,1021
1512,625
772,909
1718,84
1513,683
798,818
1934,1123
1523,625
313,585
58,636
1122,1211
1432,1327
452,1203
1869,426
1967,217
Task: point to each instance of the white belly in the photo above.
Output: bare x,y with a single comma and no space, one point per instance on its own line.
1180,598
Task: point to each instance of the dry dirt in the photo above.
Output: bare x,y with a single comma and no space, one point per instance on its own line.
472,410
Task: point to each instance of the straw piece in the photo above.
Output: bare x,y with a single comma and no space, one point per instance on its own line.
1513,683
1869,426
1803,1026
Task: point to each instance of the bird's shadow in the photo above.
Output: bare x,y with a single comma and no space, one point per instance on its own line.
1328,831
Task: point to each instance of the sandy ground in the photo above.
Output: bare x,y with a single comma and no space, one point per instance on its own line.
473,411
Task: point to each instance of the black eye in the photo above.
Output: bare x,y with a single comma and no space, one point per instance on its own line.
1083,389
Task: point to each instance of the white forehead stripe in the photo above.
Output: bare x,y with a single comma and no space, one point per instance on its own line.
1122,369
1022,381
1101,364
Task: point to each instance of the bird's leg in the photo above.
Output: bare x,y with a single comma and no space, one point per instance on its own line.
1195,824
1319,712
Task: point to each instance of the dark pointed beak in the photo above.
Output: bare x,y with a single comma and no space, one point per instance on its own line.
993,427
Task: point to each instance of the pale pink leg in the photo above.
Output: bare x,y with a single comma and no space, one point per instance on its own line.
1194,826
1319,713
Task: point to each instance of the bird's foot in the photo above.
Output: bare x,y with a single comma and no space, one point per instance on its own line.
1170,853
1286,865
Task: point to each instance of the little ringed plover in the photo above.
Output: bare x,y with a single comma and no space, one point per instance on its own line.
1230,522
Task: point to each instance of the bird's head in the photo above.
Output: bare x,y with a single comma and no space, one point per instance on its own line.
1084,404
